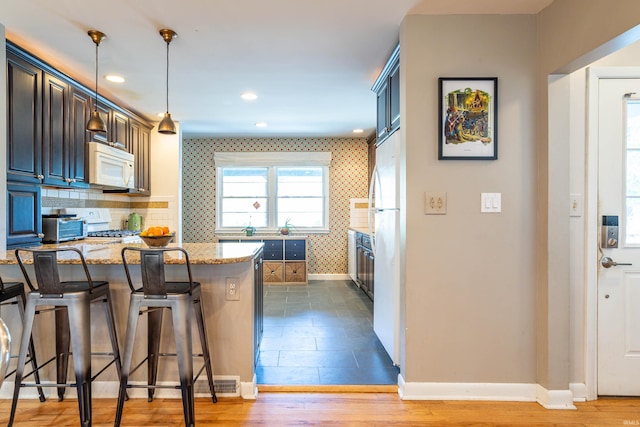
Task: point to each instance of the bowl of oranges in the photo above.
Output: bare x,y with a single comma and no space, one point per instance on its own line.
157,237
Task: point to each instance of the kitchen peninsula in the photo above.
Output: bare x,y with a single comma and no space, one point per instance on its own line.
233,322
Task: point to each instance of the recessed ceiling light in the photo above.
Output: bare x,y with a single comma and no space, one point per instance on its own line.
358,130
261,125
160,114
249,96
115,79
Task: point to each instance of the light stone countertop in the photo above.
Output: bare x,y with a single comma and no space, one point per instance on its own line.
363,230
110,253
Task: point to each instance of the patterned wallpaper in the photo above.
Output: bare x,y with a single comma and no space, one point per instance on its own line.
348,179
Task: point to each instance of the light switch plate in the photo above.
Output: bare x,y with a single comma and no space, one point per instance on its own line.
491,202
435,203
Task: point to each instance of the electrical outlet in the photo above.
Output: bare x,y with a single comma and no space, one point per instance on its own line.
232,289
435,203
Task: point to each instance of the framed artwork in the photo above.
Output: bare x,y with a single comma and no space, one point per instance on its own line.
468,118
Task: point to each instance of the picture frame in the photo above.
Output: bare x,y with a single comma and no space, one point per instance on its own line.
468,119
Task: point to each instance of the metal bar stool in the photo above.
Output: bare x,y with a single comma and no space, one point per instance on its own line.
8,292
155,295
71,300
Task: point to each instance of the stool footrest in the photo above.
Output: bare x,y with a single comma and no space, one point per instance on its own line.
48,384
148,386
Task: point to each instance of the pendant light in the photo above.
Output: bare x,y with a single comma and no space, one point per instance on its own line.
166,125
96,124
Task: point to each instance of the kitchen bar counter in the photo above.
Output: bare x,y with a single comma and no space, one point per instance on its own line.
110,253
233,322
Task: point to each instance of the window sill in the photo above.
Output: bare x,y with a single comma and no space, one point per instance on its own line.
299,232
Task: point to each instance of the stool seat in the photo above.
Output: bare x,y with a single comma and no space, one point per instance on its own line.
9,291
78,286
70,301
182,299
174,288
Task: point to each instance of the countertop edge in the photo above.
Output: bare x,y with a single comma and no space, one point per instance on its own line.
110,254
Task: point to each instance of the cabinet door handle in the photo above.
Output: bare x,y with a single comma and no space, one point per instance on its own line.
40,235
40,176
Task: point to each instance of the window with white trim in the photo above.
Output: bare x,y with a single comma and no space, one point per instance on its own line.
267,190
631,218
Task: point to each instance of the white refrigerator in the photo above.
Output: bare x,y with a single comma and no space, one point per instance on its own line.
384,218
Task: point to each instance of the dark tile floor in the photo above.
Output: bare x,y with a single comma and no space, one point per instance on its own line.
321,334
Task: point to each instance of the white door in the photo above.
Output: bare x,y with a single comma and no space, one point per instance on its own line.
619,196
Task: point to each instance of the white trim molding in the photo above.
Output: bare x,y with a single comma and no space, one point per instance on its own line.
554,399
579,391
330,276
249,389
507,392
271,158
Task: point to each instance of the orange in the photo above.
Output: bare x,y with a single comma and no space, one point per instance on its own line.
165,230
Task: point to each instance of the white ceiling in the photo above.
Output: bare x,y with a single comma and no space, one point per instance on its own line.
311,63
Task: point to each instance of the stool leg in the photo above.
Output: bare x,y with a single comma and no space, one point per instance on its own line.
181,312
32,350
108,311
30,311
205,346
62,349
127,354
80,320
154,332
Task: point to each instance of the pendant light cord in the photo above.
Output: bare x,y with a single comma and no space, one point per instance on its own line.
167,92
95,107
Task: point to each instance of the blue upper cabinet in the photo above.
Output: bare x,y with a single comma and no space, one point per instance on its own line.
24,121
387,89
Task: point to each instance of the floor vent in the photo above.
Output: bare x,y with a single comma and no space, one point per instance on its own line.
226,385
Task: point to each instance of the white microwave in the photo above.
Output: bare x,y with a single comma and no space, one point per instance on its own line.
110,167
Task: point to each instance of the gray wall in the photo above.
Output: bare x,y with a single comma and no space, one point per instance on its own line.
572,34
470,277
487,297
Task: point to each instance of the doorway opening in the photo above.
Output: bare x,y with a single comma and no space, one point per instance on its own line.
321,334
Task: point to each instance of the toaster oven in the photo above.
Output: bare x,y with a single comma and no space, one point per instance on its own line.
63,228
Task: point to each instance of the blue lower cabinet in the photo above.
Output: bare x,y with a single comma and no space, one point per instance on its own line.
24,219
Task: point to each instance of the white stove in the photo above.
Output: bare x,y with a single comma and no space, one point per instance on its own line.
98,220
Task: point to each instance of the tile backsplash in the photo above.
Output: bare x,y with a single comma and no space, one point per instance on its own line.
156,211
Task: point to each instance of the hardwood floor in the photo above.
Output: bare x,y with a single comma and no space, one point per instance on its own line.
329,409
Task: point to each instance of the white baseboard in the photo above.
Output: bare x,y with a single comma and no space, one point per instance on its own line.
249,390
109,389
579,391
512,392
555,399
341,276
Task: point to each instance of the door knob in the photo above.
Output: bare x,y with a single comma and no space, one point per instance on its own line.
608,262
